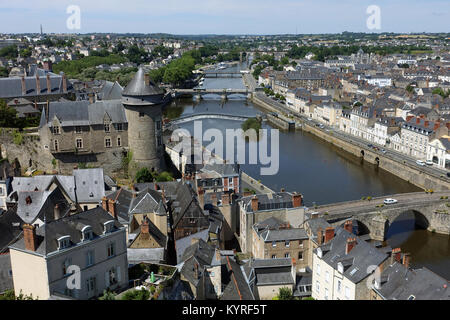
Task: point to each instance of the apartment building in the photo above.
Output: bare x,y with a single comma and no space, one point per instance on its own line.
44,259
342,266
275,239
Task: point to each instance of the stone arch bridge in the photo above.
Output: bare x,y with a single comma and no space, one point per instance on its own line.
431,212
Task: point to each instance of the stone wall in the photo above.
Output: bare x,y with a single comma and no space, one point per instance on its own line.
404,171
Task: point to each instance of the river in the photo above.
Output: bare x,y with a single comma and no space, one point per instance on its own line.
322,173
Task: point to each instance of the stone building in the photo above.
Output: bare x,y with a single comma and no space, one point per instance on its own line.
274,239
72,130
143,102
37,89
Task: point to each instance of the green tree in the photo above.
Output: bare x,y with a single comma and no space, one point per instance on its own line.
134,294
7,115
409,88
164,176
143,175
107,295
284,294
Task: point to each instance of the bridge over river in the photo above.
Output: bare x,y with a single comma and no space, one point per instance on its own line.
199,92
200,116
431,212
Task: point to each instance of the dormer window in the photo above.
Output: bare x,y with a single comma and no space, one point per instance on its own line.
340,267
63,242
56,130
87,232
108,226
319,252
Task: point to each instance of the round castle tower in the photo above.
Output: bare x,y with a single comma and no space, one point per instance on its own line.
143,101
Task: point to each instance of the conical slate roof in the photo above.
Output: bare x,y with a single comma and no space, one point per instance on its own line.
137,86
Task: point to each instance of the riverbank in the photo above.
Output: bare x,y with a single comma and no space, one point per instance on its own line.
403,170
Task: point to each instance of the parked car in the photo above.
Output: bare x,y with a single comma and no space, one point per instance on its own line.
448,174
382,150
390,201
429,162
370,145
420,162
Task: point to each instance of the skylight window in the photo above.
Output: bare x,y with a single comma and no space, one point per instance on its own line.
353,271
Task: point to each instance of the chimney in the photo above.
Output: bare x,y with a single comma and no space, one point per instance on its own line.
225,199
30,238
351,242
296,200
426,123
282,190
255,203
24,87
105,204
196,275
396,255
156,186
147,79
112,208
319,236
348,226
214,199
38,85
64,83
194,241
91,98
145,226
417,120
406,260
329,234
201,196
49,84
57,212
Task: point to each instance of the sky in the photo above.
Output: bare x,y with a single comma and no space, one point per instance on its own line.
224,16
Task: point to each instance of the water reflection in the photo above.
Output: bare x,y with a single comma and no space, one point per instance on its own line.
428,249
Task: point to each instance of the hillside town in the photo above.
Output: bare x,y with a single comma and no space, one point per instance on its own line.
97,202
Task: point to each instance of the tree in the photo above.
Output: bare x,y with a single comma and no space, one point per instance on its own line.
135,294
7,115
107,295
284,294
164,176
409,88
143,175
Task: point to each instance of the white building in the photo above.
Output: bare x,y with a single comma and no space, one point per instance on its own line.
439,152
342,266
92,242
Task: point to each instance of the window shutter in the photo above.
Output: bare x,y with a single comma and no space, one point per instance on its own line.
106,279
119,276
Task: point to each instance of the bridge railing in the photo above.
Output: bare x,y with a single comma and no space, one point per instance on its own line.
378,198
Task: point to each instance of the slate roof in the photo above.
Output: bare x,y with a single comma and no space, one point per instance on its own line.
90,184
400,283
123,200
42,205
49,232
273,271
137,86
266,201
10,229
357,261
236,285
224,170
83,113
12,87
201,254
182,244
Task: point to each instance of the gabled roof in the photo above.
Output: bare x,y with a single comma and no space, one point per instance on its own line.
400,283
357,261
10,229
236,285
72,225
